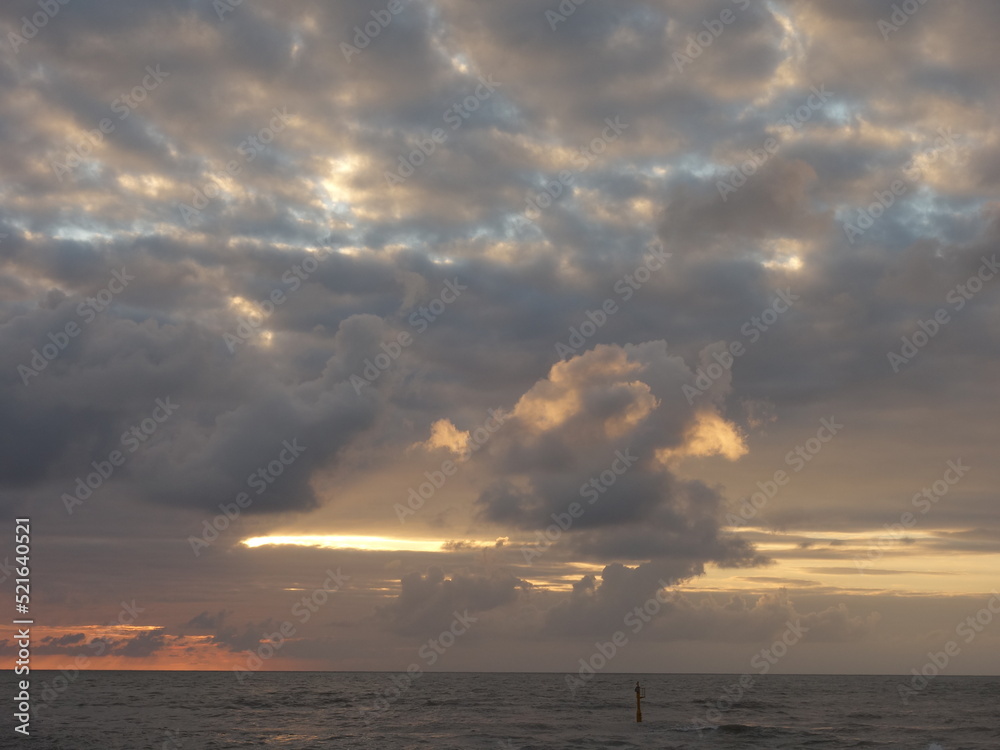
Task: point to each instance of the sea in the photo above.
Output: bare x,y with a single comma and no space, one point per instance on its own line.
134,710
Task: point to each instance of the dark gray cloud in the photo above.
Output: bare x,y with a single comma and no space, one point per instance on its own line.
142,645
427,603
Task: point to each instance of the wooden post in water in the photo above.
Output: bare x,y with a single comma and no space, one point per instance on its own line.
638,702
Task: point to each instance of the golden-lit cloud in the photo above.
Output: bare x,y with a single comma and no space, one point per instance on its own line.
445,435
708,435
358,542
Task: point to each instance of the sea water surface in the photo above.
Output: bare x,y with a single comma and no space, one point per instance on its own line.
501,711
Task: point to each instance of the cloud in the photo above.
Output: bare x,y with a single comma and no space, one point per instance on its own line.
427,602
205,620
603,431
143,645
245,637
743,620
600,608
137,646
445,435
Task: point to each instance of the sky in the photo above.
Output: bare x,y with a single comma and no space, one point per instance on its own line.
477,336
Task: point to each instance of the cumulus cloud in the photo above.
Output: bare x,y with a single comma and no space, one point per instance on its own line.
601,432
